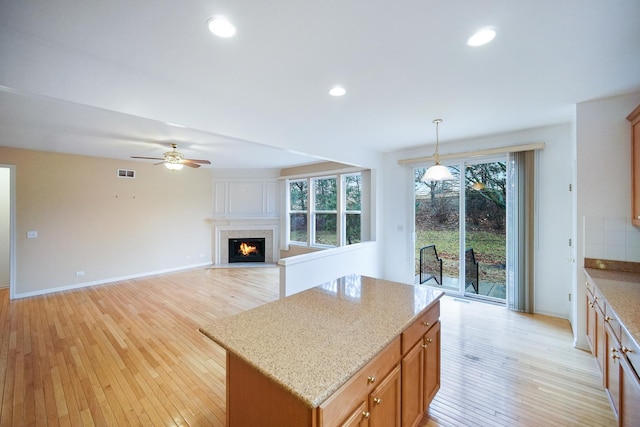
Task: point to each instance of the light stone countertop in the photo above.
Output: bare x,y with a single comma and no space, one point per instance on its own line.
314,341
622,291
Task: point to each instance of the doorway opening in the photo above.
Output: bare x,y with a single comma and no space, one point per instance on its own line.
465,221
7,228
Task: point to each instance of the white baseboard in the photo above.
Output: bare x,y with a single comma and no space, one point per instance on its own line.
105,281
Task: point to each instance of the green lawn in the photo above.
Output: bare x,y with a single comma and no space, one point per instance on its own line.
489,248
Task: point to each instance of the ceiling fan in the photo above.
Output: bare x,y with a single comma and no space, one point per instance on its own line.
175,160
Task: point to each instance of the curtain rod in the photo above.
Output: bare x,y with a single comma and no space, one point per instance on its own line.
477,153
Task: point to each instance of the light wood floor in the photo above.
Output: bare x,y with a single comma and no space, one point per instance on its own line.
130,354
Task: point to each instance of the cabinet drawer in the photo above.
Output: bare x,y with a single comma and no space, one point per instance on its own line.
337,407
417,329
612,319
633,351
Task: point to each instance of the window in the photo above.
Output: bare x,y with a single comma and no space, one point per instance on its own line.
326,211
353,208
298,214
334,218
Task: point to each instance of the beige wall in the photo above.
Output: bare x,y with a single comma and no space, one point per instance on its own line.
90,220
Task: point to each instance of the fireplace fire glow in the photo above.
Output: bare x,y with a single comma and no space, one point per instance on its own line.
249,249
246,249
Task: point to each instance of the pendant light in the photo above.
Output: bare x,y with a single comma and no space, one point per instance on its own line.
437,172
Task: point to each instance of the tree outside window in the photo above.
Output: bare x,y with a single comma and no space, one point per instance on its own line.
353,208
326,211
298,214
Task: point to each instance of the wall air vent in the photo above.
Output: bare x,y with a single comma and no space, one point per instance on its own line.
124,173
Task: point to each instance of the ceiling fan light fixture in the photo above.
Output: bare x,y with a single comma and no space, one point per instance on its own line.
437,172
174,166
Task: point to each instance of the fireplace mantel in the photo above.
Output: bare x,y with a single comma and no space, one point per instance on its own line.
228,228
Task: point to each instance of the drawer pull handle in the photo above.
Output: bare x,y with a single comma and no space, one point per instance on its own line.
371,379
377,400
591,304
597,298
615,357
426,324
626,350
366,414
429,340
608,318
424,346
613,350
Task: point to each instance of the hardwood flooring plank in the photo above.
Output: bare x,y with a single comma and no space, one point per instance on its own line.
130,353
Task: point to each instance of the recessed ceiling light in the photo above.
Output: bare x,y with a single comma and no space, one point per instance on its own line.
337,91
482,36
221,27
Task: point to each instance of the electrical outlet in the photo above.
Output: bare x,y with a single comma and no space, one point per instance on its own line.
569,297
32,234
79,273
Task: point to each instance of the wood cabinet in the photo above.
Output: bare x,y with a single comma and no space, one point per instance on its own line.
618,356
420,367
629,415
595,325
373,381
381,408
634,118
385,402
413,386
393,389
431,364
611,374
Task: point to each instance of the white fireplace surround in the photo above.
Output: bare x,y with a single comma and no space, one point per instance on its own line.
222,234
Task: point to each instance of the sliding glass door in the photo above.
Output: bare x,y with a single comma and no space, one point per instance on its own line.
437,224
473,251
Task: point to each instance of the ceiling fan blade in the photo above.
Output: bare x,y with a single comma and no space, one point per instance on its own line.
159,163
204,162
147,158
190,163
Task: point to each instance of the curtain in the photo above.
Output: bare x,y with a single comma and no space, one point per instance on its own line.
520,231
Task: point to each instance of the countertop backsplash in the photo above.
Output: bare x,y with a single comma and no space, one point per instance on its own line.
611,238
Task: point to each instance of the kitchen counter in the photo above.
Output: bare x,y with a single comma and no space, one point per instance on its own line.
621,289
313,342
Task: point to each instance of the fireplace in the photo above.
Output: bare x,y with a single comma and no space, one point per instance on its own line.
247,249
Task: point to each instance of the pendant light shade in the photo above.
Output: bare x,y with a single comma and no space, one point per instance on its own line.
437,172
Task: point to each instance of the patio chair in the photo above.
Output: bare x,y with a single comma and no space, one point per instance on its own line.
430,265
472,268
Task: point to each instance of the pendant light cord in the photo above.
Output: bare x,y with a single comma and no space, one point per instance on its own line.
436,155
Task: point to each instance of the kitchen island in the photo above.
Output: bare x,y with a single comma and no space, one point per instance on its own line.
353,350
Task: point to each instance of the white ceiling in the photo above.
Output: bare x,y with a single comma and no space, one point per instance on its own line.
110,78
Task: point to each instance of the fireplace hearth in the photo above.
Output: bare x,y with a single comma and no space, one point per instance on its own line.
247,249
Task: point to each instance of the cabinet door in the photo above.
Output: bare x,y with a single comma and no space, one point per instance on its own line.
611,372
629,414
601,349
358,418
634,118
413,386
591,324
431,364
384,402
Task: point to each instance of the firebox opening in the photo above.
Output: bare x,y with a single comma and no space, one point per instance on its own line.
246,250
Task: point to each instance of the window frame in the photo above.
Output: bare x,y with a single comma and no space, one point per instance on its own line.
341,211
